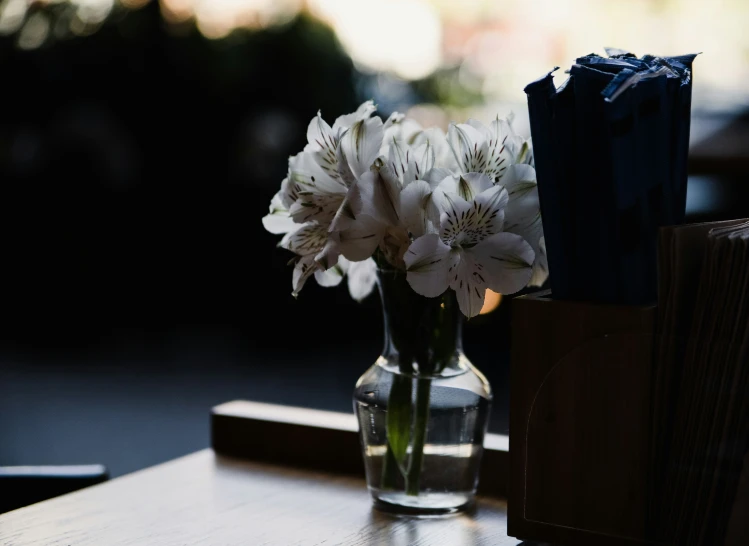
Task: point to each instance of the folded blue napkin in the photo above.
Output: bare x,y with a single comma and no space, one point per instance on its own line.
610,148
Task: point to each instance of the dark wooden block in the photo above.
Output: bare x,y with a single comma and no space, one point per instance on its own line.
320,440
579,421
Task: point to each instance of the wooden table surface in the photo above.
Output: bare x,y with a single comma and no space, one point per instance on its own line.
208,499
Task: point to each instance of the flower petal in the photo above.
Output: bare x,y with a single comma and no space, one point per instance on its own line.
330,277
330,253
428,260
350,208
469,282
365,110
437,176
323,148
420,160
540,265
523,213
288,193
443,155
304,267
506,262
399,129
454,218
418,211
346,176
318,195
397,159
380,193
361,144
467,185
362,277
468,146
317,207
490,206
278,220
309,239
500,149
359,241
305,171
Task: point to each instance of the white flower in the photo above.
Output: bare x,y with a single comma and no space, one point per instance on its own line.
456,212
309,242
317,184
471,252
480,149
389,205
331,161
507,159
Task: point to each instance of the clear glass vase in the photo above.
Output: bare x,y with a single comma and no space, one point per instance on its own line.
423,409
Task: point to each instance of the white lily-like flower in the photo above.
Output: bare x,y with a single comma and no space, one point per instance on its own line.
332,159
456,212
318,182
480,149
471,252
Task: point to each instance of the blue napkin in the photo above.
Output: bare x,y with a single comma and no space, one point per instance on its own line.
610,148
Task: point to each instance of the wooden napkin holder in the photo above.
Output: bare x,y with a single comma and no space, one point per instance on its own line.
579,421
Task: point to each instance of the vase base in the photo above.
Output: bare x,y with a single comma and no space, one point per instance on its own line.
424,504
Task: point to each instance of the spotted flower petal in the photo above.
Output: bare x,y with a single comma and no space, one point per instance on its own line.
310,238
304,268
468,146
467,185
468,280
500,140
466,224
318,195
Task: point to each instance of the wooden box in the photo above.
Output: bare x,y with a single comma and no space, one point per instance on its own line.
579,421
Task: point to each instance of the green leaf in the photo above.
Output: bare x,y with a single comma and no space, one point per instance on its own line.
399,420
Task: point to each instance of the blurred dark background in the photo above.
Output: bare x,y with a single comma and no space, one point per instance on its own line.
140,144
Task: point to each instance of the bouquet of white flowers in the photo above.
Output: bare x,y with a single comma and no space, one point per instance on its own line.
456,211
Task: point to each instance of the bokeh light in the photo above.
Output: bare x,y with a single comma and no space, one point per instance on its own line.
496,47
492,300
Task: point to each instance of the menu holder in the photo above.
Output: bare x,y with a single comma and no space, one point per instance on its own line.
579,421
630,424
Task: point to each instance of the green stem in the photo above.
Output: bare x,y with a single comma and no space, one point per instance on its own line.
421,421
389,470
398,401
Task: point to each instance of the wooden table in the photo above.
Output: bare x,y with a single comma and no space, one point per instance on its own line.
208,499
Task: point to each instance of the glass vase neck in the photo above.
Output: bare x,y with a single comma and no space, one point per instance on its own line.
423,336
